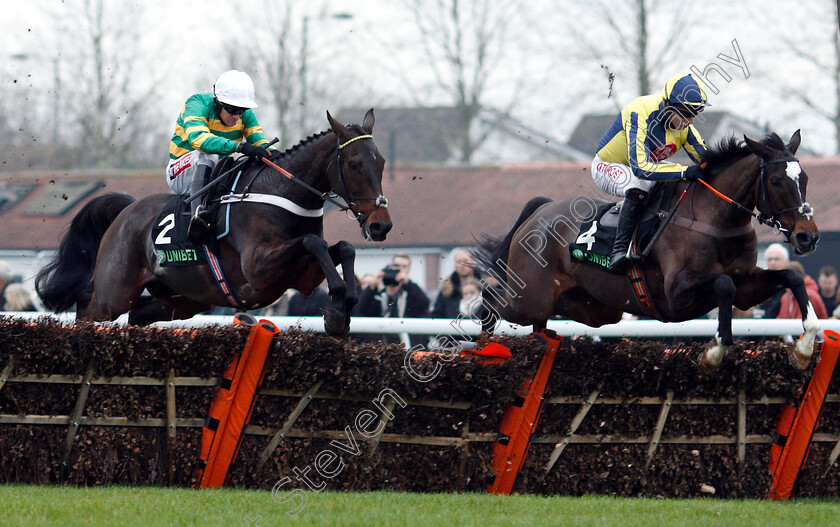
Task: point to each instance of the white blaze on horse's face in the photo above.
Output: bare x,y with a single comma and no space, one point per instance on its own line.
793,170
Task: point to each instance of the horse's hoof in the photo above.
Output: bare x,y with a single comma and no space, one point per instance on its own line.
336,323
797,359
705,365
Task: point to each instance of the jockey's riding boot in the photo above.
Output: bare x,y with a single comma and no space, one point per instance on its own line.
199,215
631,209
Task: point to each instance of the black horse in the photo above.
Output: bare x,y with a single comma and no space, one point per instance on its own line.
706,256
275,239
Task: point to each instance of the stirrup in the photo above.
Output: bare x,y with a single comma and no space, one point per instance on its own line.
622,260
199,226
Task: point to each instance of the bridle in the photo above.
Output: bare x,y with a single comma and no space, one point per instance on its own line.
805,210
379,201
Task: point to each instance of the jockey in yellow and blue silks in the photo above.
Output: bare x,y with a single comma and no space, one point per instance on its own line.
632,155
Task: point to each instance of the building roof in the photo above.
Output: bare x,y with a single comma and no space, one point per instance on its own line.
431,136
442,207
37,206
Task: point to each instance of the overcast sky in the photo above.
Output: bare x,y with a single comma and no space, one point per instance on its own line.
364,50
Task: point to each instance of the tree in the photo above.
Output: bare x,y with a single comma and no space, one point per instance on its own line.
283,47
267,52
816,53
466,54
113,84
637,40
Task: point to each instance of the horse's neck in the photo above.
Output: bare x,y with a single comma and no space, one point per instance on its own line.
737,181
308,164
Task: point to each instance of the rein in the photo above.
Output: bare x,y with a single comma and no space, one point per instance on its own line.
771,221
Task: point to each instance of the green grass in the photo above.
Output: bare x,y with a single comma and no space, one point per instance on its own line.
69,506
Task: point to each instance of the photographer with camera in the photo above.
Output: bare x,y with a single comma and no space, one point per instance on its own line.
394,295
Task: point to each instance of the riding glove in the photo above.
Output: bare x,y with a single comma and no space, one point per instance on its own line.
693,172
253,151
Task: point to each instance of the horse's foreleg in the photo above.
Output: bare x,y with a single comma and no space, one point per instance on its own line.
762,285
800,355
725,291
336,317
345,254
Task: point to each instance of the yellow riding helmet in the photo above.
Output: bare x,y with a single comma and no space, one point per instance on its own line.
685,93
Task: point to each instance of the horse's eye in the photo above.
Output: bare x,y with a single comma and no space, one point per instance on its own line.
775,181
353,165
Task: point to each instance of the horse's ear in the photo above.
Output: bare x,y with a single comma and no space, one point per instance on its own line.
795,139
758,149
367,123
339,129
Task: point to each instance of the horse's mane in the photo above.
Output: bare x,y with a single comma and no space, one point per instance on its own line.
304,142
730,149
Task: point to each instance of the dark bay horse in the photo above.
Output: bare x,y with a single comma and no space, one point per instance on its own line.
275,240
705,258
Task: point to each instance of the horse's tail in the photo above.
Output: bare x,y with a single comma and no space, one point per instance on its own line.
68,278
493,250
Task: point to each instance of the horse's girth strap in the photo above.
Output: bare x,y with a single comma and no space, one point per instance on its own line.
277,201
711,230
219,276
638,283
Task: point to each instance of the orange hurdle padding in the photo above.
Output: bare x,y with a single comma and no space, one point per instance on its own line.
222,401
238,389
243,403
782,433
795,450
520,421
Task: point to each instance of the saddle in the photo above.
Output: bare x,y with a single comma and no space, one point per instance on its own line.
594,242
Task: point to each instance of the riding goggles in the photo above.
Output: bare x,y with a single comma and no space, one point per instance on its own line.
233,110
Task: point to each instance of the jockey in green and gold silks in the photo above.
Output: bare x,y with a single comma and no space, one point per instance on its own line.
632,155
211,125
199,128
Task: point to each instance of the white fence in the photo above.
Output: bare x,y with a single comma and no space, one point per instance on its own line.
468,327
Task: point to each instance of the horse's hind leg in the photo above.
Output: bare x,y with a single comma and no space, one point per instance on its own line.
118,279
150,309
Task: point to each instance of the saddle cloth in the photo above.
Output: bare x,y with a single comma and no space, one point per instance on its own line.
170,236
595,238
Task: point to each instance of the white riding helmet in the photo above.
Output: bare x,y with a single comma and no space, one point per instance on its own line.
235,88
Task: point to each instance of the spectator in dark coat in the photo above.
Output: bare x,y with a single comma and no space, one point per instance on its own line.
449,299
827,281
394,295
313,305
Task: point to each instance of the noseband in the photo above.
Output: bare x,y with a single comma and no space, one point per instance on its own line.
805,210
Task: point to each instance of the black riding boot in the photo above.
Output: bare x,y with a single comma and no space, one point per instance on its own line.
631,209
199,215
